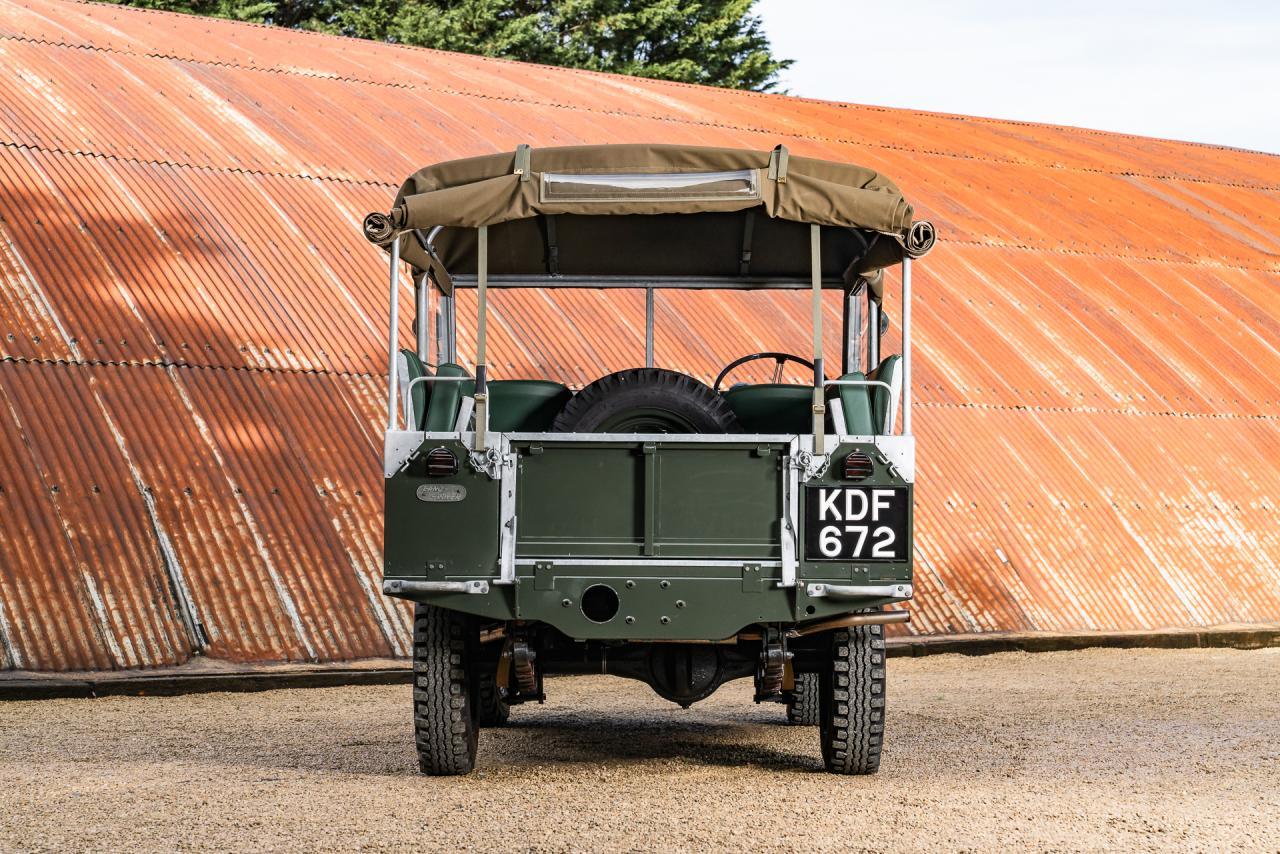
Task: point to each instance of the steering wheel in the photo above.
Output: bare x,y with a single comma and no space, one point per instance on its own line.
779,360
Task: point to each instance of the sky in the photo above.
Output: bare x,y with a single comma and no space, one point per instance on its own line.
1198,71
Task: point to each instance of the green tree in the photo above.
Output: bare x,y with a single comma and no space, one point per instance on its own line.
715,42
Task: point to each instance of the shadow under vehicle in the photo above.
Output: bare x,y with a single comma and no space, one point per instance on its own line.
648,525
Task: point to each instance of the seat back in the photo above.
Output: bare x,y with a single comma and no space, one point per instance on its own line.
856,404
446,397
883,412
527,406
772,407
415,406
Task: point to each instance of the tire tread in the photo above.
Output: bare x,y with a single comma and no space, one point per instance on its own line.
853,701
444,724
608,395
804,705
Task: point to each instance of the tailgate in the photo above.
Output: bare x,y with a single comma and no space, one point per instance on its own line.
640,498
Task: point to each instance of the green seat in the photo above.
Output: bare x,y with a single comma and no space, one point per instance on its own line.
890,371
772,407
411,368
527,406
856,404
446,397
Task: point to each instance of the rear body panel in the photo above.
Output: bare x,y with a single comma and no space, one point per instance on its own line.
697,538
628,499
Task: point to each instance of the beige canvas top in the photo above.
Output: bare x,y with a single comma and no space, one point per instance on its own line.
866,222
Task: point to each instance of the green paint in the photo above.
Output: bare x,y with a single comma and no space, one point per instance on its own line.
625,499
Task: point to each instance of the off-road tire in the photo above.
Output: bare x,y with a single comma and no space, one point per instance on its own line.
493,707
445,719
804,703
646,400
852,701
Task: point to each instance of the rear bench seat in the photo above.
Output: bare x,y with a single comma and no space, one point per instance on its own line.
785,408
526,406
884,414
867,409
514,405
772,407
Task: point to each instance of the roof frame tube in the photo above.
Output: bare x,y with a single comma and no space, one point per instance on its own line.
851,359
906,345
819,396
446,330
482,310
648,327
873,332
421,316
392,367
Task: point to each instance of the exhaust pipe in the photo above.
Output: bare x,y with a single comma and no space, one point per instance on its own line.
877,618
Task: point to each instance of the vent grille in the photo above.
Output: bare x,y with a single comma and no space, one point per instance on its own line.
857,466
441,463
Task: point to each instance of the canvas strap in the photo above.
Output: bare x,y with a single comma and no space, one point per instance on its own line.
778,164
521,168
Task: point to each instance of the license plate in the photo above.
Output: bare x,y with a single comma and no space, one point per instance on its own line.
855,523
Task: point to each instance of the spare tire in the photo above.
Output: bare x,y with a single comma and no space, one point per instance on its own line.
646,400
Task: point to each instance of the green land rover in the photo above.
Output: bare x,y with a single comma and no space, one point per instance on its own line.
649,525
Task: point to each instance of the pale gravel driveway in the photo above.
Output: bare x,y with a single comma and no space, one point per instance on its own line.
1104,749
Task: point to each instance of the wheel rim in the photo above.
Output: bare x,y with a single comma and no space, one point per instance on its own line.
648,420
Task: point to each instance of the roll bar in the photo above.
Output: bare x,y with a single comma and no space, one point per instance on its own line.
393,375
446,336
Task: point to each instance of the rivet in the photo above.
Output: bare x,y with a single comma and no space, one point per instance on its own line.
630,620
565,603
630,584
665,620
664,584
679,603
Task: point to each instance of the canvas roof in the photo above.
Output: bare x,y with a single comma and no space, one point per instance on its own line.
865,220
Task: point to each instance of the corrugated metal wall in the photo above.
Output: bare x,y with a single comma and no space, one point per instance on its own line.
191,355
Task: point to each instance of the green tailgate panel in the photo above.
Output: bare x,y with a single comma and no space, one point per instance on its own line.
580,500
717,503
634,499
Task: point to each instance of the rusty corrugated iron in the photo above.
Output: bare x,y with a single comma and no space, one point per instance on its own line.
191,346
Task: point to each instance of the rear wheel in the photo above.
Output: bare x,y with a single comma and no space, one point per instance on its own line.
646,400
803,706
445,713
493,708
852,701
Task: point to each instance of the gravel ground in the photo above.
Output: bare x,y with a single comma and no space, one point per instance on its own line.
1102,749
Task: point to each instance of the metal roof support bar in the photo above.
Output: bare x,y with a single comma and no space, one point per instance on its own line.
422,314
723,283
446,338
819,397
906,345
852,356
392,372
648,327
482,309
873,333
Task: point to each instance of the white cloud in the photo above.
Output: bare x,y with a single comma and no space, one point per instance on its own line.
1206,72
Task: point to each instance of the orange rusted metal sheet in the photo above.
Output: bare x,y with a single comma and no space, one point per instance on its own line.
191,346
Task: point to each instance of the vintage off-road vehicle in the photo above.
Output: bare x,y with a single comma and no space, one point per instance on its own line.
648,525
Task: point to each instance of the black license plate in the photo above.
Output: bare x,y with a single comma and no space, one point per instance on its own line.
855,523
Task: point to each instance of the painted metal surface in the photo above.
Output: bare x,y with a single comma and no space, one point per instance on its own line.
191,362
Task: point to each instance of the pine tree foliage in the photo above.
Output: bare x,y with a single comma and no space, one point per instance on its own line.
714,42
